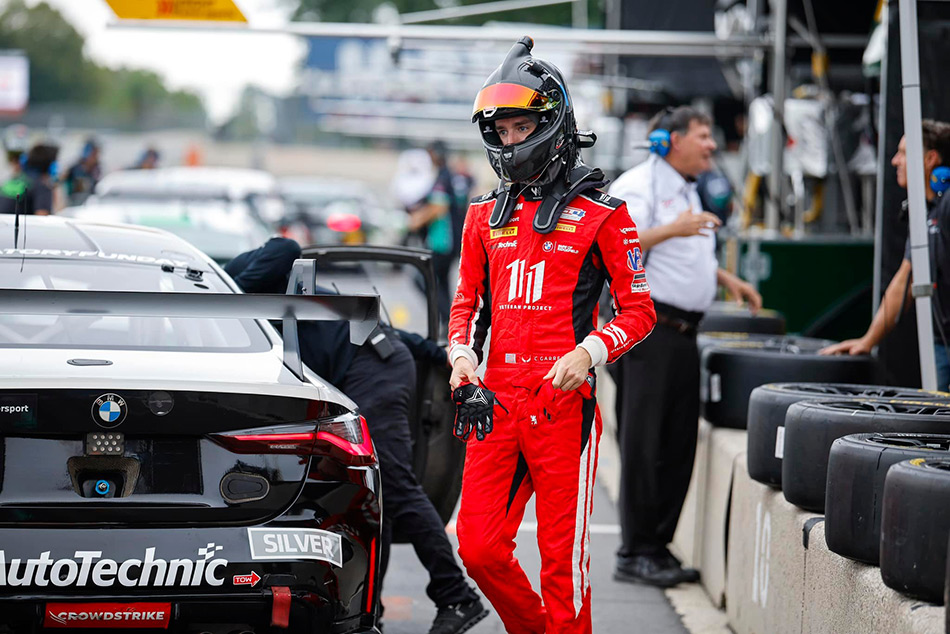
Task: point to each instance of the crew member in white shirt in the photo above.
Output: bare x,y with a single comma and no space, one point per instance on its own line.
658,381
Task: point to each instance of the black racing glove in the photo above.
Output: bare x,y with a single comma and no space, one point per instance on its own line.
474,408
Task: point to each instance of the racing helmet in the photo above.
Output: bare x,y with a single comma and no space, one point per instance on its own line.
526,85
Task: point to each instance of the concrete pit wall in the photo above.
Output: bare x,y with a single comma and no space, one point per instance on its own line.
766,561
708,502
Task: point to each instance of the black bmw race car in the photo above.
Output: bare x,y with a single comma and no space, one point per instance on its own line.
166,460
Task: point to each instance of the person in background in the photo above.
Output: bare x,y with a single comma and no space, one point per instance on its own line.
936,141
380,377
658,381
715,193
462,185
34,185
81,179
15,144
148,160
412,182
434,215
193,156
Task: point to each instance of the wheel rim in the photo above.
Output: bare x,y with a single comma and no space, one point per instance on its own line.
891,407
853,390
912,441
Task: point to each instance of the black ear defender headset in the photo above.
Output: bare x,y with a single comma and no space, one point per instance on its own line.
659,139
940,179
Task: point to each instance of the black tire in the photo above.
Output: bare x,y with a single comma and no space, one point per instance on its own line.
769,403
727,317
915,523
732,370
812,427
857,465
713,338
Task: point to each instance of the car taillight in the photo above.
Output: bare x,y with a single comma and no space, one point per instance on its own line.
346,434
344,222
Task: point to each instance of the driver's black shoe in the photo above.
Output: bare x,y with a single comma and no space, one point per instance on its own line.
458,617
653,570
687,575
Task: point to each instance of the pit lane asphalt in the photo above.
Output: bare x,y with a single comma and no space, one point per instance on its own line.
617,607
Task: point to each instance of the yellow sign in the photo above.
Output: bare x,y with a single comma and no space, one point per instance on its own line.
213,10
505,232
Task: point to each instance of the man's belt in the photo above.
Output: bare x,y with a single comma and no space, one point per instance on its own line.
682,321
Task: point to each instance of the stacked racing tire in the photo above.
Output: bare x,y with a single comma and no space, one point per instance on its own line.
812,427
768,406
857,467
731,370
915,524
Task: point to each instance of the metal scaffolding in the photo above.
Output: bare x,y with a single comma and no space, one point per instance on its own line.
916,198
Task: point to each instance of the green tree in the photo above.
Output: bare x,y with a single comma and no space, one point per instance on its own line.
133,93
60,72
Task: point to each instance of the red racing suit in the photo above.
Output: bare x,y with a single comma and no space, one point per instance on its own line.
539,292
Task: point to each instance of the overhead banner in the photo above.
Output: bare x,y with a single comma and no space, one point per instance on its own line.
14,83
210,10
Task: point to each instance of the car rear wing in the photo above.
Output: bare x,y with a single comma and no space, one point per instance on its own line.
362,311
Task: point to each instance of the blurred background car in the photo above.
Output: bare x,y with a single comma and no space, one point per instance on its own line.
339,211
218,227
257,188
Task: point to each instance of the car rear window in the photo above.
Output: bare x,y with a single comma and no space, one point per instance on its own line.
117,332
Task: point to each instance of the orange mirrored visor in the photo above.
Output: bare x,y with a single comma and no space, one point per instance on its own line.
497,96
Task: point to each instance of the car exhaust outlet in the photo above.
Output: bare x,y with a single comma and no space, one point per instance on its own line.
280,613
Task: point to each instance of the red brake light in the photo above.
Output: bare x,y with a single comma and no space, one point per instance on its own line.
346,437
355,441
344,223
279,443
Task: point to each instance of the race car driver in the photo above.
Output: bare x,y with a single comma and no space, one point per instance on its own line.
535,254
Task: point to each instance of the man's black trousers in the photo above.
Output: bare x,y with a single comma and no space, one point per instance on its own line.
383,391
657,421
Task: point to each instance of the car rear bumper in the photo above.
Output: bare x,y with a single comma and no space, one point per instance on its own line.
186,616
207,575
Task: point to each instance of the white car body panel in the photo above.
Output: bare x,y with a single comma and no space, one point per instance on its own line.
229,372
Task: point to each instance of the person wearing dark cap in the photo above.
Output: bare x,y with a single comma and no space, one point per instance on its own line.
148,160
82,177
381,380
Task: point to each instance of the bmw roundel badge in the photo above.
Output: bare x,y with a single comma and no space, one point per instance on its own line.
109,410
